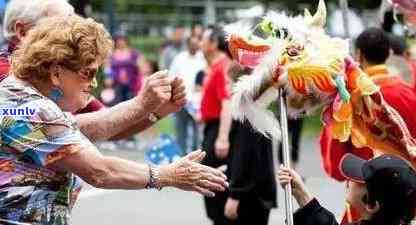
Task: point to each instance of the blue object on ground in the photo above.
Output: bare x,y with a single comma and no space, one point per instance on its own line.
162,151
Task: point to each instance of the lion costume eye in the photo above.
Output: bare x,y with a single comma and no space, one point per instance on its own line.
293,51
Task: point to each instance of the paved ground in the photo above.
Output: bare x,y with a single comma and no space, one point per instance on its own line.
175,207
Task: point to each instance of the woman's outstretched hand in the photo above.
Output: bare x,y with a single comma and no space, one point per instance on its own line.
189,175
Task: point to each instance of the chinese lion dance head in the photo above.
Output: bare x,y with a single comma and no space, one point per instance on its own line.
314,70
296,53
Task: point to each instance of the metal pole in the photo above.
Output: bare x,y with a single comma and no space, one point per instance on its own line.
286,155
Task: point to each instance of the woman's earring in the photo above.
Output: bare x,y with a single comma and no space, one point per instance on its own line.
94,83
56,94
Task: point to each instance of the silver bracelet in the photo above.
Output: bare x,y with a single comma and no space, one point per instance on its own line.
154,179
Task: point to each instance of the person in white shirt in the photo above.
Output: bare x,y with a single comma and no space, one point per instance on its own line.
187,64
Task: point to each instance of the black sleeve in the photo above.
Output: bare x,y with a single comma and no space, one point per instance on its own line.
243,168
314,214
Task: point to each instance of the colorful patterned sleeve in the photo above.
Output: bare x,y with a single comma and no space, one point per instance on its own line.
42,136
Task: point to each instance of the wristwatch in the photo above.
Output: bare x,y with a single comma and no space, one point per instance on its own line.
154,179
153,117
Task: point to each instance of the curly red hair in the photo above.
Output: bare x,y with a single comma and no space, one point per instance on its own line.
73,42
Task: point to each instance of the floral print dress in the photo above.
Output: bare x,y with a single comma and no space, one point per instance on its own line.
34,132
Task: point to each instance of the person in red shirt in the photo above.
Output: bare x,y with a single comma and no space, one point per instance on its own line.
161,94
373,49
216,113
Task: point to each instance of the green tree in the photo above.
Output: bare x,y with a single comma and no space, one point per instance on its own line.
143,6
357,4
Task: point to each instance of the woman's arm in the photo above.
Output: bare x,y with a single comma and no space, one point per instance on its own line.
107,123
116,173
103,171
175,104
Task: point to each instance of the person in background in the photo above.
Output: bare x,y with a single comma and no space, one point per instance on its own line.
386,195
108,95
187,64
199,82
398,63
373,49
94,120
251,172
124,69
172,47
197,31
411,58
124,76
402,48
216,113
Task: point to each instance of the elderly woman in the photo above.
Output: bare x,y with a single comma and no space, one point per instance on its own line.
43,154
95,121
